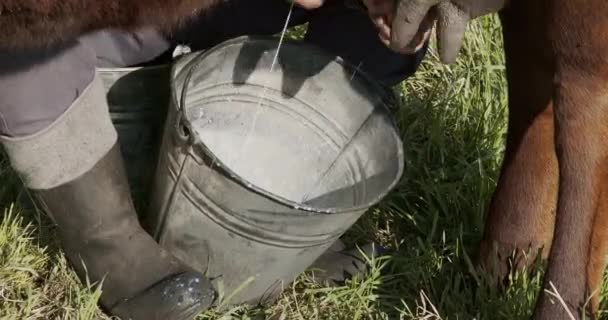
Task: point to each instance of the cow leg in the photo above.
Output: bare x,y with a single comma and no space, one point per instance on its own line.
578,36
521,213
599,251
582,150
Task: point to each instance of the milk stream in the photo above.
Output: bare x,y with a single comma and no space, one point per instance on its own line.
259,106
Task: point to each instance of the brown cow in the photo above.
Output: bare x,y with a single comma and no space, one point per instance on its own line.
553,189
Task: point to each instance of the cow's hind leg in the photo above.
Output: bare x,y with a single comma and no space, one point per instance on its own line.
521,215
582,132
599,250
580,42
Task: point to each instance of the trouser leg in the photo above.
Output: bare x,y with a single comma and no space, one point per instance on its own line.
348,32
57,133
114,48
37,87
340,29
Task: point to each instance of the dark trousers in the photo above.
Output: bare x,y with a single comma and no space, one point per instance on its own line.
37,87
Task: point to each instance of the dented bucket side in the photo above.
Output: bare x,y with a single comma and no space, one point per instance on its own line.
250,243
254,260
251,246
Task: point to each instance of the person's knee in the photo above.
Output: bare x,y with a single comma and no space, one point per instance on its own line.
116,49
350,34
235,18
36,88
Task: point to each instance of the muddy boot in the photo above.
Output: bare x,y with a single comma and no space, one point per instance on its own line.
338,264
76,174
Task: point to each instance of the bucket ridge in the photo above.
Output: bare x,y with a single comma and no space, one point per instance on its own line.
245,228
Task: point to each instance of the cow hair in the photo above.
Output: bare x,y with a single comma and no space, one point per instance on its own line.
27,24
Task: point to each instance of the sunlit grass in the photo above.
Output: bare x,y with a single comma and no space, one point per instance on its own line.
453,121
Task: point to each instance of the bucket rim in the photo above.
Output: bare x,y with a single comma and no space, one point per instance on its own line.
375,86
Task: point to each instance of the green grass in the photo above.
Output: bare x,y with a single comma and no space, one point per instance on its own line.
453,121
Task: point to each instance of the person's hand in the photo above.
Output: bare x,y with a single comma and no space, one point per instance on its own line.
382,13
309,4
452,18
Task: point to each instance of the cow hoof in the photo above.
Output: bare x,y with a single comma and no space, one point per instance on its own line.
553,308
497,260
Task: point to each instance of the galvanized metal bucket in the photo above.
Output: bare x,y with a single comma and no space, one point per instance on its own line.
261,171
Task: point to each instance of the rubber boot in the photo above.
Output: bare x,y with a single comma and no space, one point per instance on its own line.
338,264
98,226
78,179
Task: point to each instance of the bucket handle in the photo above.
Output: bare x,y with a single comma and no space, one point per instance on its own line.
181,121
184,130
183,125
184,134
